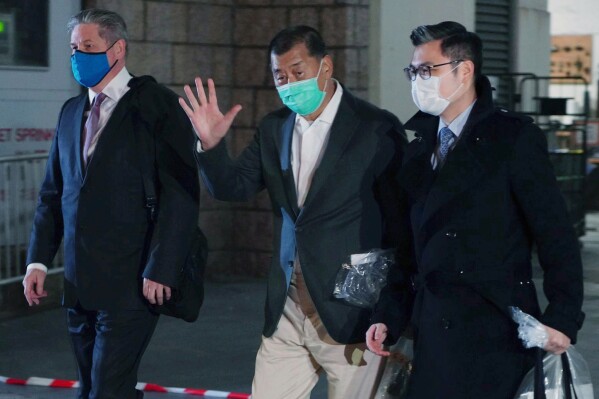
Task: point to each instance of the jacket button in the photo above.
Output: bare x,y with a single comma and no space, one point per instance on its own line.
451,234
445,323
299,229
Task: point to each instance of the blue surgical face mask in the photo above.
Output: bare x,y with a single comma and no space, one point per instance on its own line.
303,97
90,68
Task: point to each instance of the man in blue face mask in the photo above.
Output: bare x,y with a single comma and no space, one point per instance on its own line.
117,261
329,162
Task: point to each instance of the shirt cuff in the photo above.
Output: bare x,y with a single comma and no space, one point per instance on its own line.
199,148
37,266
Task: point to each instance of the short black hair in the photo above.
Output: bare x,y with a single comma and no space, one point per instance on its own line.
457,43
289,37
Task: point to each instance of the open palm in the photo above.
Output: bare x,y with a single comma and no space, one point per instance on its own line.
208,122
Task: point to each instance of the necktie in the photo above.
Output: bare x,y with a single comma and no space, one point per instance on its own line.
91,125
446,139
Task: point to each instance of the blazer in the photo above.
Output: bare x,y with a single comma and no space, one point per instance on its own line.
100,211
352,206
475,222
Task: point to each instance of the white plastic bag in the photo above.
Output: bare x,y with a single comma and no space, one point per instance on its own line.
398,368
533,334
553,368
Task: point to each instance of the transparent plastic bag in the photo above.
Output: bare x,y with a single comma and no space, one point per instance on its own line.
533,334
530,330
398,368
360,281
553,368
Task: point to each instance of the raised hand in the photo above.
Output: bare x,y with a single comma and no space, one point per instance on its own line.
209,123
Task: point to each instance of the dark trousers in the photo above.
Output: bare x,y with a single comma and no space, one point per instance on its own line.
108,347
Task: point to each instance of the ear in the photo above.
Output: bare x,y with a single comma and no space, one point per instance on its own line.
467,70
120,47
327,66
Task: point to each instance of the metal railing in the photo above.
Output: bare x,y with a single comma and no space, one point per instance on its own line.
20,180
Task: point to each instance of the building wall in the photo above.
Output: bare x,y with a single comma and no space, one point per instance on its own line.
391,50
227,40
532,47
31,97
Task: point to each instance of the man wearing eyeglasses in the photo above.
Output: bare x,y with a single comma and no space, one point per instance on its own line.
482,192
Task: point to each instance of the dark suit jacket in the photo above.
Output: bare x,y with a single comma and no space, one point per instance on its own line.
101,211
475,223
352,206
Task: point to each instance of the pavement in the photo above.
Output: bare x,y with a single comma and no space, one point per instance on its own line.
216,352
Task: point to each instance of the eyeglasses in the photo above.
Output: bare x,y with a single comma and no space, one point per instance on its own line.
424,70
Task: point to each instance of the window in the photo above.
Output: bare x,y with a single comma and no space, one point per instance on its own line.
23,33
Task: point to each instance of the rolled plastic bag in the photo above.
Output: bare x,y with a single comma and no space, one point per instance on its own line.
565,376
359,282
530,330
398,368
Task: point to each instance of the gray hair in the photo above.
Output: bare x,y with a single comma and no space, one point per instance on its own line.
112,26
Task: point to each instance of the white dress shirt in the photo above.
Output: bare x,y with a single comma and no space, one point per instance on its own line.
114,91
309,143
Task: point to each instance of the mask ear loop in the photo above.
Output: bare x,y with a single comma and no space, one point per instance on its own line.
324,89
458,88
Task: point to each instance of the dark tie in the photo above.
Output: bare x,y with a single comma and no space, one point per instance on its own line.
446,139
91,125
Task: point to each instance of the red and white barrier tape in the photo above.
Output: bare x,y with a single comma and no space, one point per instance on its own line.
142,386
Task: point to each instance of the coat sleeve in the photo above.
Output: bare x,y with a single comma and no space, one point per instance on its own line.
230,179
177,186
48,227
539,198
395,302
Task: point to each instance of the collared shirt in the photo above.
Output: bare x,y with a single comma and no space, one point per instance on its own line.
456,126
309,143
114,91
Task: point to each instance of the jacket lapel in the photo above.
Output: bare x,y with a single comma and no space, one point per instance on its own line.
111,131
344,127
283,142
462,168
416,174
460,172
78,132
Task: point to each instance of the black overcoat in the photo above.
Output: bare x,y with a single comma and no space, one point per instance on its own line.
475,223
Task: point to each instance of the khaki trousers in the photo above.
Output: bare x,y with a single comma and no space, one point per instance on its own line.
289,362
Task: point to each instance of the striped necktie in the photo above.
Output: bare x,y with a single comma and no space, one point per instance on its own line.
91,125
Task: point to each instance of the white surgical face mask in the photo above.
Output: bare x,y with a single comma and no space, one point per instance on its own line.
425,94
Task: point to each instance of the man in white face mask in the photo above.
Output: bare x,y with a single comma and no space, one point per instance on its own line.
482,191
